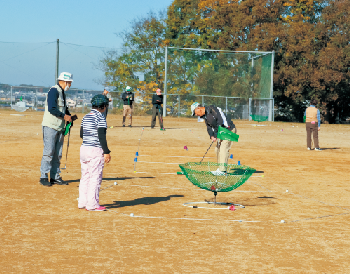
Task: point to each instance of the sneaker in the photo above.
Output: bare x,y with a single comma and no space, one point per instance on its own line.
218,172
318,149
58,181
308,148
101,208
162,129
81,207
129,125
123,125
45,182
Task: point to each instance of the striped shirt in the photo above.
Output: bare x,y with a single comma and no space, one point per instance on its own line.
90,123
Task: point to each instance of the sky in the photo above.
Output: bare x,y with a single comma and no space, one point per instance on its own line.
29,30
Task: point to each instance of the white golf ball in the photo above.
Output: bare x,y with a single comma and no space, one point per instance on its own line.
132,215
287,190
283,221
115,183
77,199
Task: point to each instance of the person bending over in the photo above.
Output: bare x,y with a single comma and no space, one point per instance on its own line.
214,117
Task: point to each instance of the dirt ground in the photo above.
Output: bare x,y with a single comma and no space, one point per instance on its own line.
43,231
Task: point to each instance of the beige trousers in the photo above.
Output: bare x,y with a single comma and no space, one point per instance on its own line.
127,111
222,150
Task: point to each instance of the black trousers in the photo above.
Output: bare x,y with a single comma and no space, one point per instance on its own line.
155,112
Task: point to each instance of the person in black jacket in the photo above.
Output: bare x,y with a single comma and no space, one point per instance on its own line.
128,99
215,117
157,101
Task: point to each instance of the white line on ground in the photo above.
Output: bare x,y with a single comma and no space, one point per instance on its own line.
190,219
189,157
160,163
157,187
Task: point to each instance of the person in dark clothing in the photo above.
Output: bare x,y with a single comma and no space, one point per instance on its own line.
157,101
214,117
128,99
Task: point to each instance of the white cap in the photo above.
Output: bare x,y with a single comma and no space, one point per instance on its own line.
65,76
193,107
128,88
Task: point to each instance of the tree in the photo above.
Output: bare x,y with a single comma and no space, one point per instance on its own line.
142,56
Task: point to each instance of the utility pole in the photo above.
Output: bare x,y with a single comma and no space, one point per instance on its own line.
57,60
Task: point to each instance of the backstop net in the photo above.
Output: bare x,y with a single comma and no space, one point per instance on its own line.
240,83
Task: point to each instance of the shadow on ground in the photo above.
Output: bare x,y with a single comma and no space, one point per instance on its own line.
141,201
113,179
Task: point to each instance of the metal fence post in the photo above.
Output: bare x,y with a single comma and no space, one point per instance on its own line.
249,109
203,100
179,107
83,101
226,104
11,97
165,81
272,105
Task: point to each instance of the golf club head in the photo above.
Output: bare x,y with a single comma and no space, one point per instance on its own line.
65,167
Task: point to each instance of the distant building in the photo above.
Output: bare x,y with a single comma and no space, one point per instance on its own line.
71,103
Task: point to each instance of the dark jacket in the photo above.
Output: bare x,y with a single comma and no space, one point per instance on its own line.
128,101
52,98
156,98
214,117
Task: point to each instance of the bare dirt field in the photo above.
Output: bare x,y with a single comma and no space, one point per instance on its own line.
43,231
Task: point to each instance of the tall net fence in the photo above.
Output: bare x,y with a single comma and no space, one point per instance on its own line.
219,73
240,83
35,64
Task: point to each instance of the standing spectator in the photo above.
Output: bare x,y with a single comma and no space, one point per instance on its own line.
128,99
106,92
214,117
94,153
157,101
313,125
55,115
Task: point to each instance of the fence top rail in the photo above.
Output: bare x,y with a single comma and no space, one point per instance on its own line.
266,52
71,89
203,95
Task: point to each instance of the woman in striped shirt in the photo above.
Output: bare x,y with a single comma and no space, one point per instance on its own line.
94,153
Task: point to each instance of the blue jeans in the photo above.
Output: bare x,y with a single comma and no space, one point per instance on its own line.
52,154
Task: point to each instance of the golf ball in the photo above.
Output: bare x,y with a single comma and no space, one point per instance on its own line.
283,221
115,183
287,190
132,215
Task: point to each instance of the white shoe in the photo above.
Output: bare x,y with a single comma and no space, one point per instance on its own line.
308,148
218,172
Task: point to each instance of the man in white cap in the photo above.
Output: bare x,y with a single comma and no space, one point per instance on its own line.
128,99
214,117
55,115
157,101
